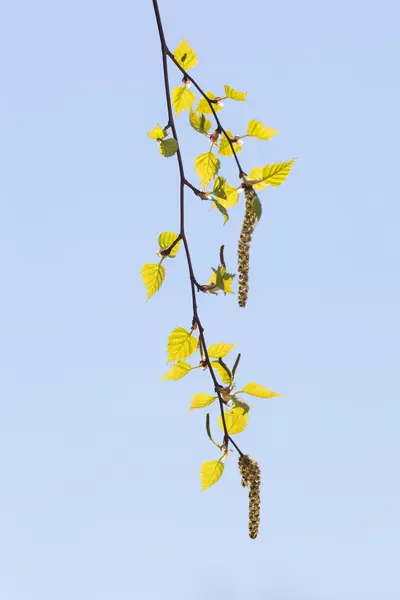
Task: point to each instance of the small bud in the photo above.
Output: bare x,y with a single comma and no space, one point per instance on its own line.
186,81
238,140
214,137
204,195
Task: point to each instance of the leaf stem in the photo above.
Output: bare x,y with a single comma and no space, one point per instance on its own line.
184,182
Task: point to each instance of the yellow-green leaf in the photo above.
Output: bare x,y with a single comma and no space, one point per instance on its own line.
227,195
177,371
227,281
201,400
276,174
220,350
207,166
153,276
223,375
261,132
211,471
157,133
234,94
203,106
256,174
182,98
185,55
254,389
165,241
235,419
168,147
181,344
225,147
199,122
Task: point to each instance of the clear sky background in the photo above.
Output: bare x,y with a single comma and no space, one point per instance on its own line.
99,458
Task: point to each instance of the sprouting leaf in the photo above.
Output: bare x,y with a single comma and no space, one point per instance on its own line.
177,371
234,95
240,404
168,147
211,471
257,206
207,166
153,276
181,344
235,419
220,350
261,132
185,55
276,174
221,209
201,400
199,122
254,389
225,147
165,241
158,133
204,107
223,375
222,279
182,98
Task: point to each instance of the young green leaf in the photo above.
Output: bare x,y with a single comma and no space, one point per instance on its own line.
225,147
165,241
207,166
221,209
211,471
276,174
254,389
220,350
168,147
257,130
153,276
199,122
185,55
235,419
235,95
203,106
223,375
227,195
257,206
182,98
158,133
177,371
222,280
201,400
237,403
181,344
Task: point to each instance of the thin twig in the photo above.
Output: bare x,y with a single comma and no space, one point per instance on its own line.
183,181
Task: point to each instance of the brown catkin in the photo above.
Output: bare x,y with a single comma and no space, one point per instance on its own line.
248,225
251,478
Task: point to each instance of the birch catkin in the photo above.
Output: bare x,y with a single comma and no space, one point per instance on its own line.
248,225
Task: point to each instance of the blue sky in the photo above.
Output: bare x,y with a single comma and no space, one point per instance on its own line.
100,459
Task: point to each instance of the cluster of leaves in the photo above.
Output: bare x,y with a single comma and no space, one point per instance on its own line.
182,344
222,194
189,343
